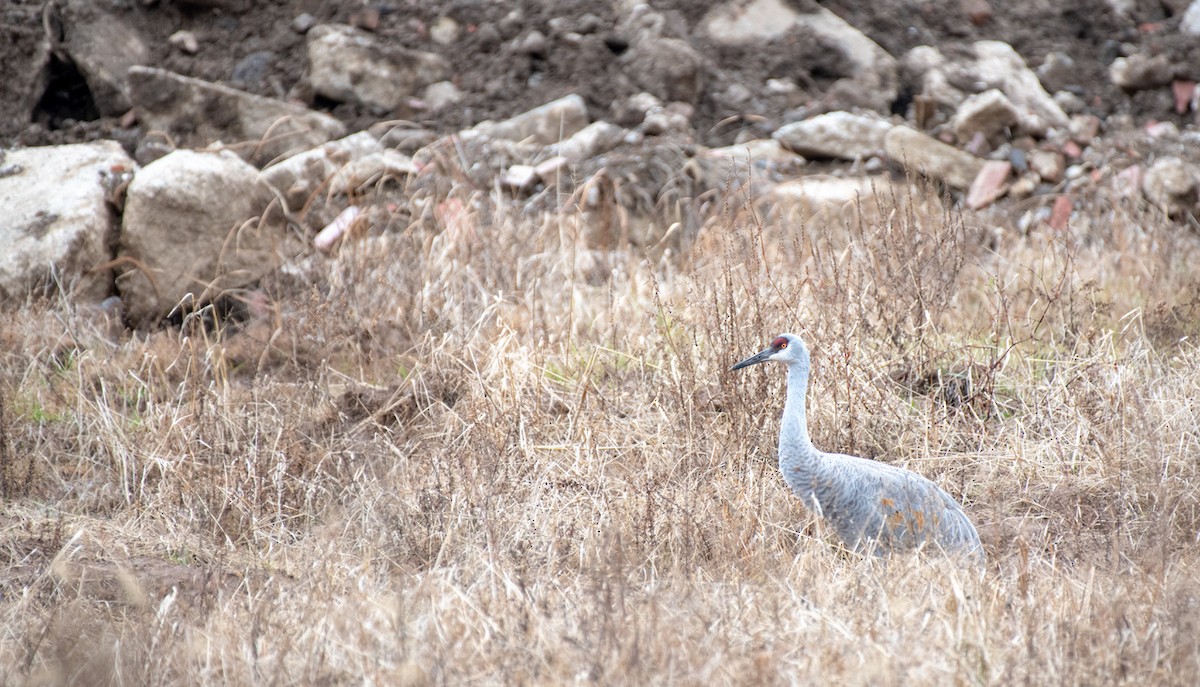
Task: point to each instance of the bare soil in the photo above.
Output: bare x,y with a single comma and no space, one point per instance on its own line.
254,46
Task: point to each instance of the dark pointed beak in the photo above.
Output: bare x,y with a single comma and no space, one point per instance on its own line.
760,357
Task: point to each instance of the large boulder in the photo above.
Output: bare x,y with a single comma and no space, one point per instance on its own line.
349,65
932,158
840,135
103,48
58,223
196,113
192,230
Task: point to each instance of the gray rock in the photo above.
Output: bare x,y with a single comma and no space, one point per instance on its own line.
296,179
839,135
1140,71
1048,165
440,94
26,73
550,123
989,113
251,71
930,157
1170,184
191,228
592,140
444,31
196,113
103,48
1057,71
346,64
669,68
186,42
58,222
991,64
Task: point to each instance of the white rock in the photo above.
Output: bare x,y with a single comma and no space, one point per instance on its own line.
440,94
550,123
191,228
1170,184
592,140
444,31
520,177
369,169
755,22
346,64
297,178
328,237
185,41
196,113
1189,24
1140,71
839,135
932,158
992,64
1048,165
989,113
57,223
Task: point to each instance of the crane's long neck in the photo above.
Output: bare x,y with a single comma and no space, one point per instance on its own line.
798,458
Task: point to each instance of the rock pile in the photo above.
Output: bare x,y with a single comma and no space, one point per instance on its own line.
222,185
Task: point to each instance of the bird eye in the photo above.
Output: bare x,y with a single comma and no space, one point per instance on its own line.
779,343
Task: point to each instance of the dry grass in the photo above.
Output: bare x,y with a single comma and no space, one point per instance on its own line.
477,451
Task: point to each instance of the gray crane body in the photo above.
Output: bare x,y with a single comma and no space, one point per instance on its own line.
874,507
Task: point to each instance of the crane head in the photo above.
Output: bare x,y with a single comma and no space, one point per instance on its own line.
785,348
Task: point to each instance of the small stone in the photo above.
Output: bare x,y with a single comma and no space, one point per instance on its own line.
1084,128
366,18
1072,150
1128,181
978,11
441,94
329,236
1057,71
520,177
534,43
1048,165
1060,213
990,184
989,113
1170,184
251,71
1069,102
444,31
1162,130
1184,91
1140,72
1023,187
781,86
185,41
302,23
550,170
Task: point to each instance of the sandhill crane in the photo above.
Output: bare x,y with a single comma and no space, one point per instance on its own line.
874,507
